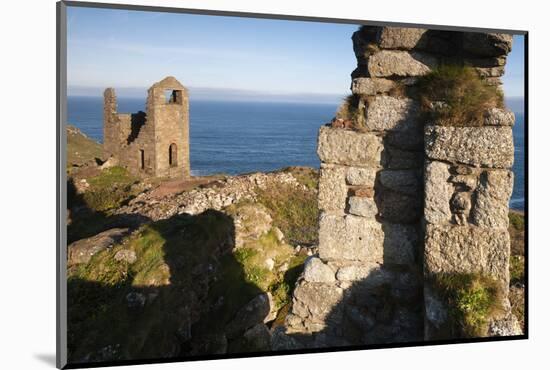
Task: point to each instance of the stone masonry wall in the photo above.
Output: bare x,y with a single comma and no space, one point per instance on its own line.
402,198
128,137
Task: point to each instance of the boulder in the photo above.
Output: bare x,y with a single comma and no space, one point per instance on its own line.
396,63
321,300
486,146
126,255
254,312
82,250
316,271
257,338
280,341
349,148
251,222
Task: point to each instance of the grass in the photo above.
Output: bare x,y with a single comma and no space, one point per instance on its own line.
110,189
306,176
352,109
294,211
80,148
465,96
517,265
167,253
473,299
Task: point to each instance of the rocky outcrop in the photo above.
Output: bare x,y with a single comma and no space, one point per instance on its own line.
83,250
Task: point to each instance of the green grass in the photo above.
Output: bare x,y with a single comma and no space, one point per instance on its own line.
473,299
294,211
517,269
517,220
110,189
81,149
465,95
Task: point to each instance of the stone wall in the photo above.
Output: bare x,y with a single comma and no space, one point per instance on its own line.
141,141
403,198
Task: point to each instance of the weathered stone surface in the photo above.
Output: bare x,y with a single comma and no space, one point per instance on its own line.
251,222
505,327
490,72
398,159
350,148
492,195
400,243
332,188
454,248
397,207
461,202
316,271
280,341
320,299
82,250
135,300
391,113
357,272
466,182
362,206
394,63
350,237
252,313
257,338
400,37
371,86
360,176
486,146
499,117
403,181
487,44
126,255
361,239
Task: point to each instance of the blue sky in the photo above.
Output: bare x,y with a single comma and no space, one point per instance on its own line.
130,50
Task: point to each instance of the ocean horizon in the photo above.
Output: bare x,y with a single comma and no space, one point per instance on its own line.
236,137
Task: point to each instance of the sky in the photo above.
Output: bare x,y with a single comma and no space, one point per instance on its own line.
228,57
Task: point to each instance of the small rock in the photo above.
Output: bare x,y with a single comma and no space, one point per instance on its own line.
316,271
279,234
269,264
126,255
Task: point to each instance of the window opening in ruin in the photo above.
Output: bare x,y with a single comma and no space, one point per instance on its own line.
142,159
172,155
173,96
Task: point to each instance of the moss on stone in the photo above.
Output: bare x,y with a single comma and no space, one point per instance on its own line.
472,299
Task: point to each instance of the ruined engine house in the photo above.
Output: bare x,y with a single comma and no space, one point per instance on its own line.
154,143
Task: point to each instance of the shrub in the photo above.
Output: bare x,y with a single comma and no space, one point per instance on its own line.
472,299
459,95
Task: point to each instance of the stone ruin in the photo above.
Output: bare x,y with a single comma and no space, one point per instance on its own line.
154,143
404,198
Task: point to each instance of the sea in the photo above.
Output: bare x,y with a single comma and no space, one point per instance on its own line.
235,137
